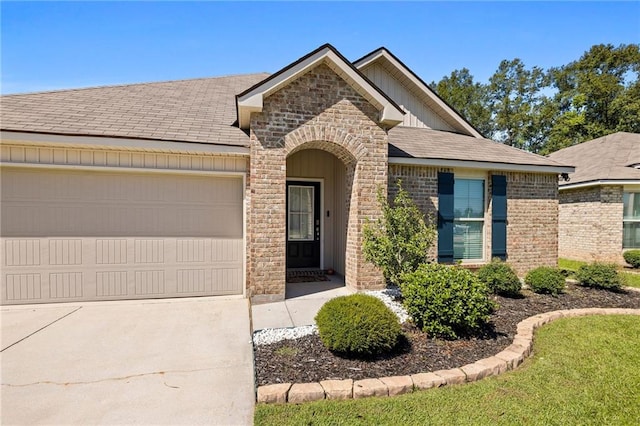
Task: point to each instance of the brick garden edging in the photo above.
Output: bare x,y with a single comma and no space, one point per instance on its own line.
508,359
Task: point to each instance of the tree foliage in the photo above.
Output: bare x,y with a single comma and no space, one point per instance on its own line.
545,110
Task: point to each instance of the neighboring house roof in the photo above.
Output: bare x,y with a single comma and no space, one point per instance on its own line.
404,74
410,145
607,159
200,110
251,100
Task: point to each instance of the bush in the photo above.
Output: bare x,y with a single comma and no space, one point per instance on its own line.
545,280
600,275
399,241
500,278
357,324
446,301
632,257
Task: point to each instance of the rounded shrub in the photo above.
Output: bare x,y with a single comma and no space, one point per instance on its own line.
632,257
446,301
600,275
500,278
545,280
357,324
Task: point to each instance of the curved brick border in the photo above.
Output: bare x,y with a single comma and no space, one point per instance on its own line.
508,359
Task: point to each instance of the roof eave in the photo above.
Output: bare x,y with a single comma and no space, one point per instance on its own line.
599,182
483,165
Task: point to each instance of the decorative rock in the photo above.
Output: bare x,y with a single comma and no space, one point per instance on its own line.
475,371
270,394
398,385
369,387
427,380
304,392
454,376
338,389
496,365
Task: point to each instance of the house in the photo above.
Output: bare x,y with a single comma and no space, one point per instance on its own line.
217,186
600,204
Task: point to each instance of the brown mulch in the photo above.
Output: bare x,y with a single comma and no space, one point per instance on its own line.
307,360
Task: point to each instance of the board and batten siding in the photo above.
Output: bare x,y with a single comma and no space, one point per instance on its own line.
317,164
418,114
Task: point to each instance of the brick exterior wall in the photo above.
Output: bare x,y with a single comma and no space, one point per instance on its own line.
532,211
318,110
591,224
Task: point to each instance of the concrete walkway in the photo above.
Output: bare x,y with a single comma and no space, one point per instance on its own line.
178,361
302,303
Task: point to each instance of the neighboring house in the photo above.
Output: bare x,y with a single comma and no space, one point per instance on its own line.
219,185
600,204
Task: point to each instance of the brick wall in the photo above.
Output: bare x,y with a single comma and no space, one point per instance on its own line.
532,211
591,224
318,110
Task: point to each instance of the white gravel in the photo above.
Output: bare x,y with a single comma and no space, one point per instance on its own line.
272,335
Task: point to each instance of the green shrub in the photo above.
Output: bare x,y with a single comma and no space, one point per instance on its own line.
545,280
632,257
600,275
500,278
399,241
357,324
446,301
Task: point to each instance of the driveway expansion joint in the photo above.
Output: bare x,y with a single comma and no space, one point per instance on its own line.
508,359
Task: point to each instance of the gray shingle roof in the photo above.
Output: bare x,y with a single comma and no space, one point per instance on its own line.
409,142
199,110
606,158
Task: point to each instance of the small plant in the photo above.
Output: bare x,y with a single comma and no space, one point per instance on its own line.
500,278
399,241
287,351
358,324
446,301
600,275
632,257
545,280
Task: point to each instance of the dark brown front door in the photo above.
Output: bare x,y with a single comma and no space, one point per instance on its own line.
303,224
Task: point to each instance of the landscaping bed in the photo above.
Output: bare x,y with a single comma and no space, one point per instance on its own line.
307,360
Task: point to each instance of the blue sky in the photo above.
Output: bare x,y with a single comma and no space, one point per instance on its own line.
57,45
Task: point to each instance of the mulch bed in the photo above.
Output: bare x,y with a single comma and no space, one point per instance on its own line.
307,360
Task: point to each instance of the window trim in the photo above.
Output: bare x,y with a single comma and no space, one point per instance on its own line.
629,190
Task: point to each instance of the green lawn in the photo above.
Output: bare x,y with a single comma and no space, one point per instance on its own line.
631,279
584,371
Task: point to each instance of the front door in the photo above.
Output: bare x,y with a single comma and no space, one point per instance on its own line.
303,224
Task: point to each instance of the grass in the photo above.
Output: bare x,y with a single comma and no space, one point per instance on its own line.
631,279
584,371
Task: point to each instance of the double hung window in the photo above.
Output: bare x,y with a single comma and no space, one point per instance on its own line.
631,220
468,219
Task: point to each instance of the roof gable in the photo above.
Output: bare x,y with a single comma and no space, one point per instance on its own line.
444,116
252,99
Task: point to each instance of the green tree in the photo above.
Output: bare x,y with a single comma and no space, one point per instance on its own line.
469,98
399,241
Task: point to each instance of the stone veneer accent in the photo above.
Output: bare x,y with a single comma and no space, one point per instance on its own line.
508,359
591,224
318,110
532,211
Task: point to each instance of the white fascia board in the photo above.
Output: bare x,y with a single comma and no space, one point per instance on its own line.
484,165
253,101
421,86
598,183
120,143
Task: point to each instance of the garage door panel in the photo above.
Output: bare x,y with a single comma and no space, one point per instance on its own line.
110,249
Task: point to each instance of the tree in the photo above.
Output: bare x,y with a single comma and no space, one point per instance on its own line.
399,241
469,98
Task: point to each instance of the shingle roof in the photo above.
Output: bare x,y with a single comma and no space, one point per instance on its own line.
606,158
410,142
199,110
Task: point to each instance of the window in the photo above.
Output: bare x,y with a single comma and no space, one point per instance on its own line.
301,213
631,220
468,219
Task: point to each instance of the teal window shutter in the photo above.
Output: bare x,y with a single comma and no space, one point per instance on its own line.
499,217
445,217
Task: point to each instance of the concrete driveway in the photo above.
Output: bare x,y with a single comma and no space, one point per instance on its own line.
178,361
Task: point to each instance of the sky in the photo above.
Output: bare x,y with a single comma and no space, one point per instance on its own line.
60,45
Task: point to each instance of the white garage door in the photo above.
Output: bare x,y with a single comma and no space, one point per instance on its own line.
80,235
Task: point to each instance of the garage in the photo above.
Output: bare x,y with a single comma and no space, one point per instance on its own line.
85,235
